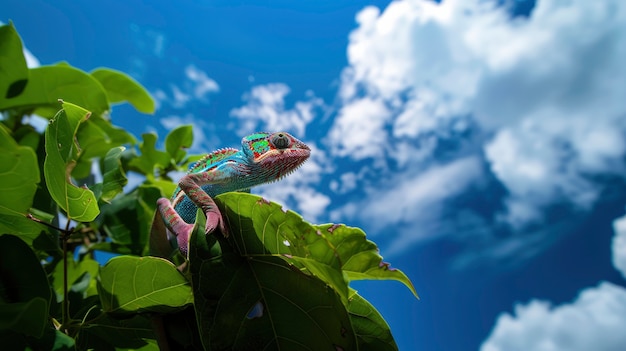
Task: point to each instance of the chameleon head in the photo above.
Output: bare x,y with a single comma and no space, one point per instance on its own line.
277,153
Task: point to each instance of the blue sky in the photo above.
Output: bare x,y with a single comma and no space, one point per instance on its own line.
481,144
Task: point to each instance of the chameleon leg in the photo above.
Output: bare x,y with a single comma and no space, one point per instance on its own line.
175,224
190,184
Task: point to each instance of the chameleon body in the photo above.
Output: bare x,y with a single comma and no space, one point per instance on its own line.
263,158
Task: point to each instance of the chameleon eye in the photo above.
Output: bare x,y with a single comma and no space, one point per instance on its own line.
280,140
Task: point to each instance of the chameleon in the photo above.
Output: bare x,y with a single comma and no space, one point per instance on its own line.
263,158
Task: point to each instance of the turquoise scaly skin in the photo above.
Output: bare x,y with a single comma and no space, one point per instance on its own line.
263,158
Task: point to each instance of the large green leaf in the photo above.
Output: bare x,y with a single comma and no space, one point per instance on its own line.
121,87
336,254
79,203
19,176
372,330
108,333
48,84
27,318
252,302
360,258
130,284
13,70
24,290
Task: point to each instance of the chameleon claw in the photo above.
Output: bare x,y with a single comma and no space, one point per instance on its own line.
213,221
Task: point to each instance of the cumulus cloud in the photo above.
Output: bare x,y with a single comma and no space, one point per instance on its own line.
359,130
594,321
548,87
619,245
411,202
265,110
542,163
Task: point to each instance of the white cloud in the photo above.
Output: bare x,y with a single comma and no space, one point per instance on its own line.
412,202
203,85
549,86
619,245
265,110
31,60
196,87
359,130
594,321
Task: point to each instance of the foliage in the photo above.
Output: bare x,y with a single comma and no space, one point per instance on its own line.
276,282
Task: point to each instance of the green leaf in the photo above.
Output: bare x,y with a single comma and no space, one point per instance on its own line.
359,256
150,158
19,176
96,137
13,69
127,221
177,141
262,228
79,203
24,290
335,254
372,330
129,284
48,84
254,302
121,87
107,333
28,318
114,177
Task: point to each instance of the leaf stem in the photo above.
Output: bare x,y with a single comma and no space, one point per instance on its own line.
66,305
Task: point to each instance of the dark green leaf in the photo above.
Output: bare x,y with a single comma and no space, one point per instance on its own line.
79,203
335,254
127,221
121,87
253,302
372,331
13,70
108,333
24,290
28,318
129,284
